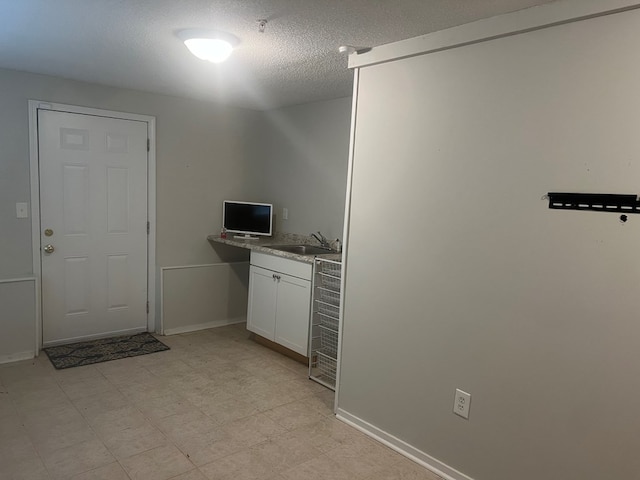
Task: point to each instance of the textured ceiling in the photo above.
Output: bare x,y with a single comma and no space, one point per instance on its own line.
133,43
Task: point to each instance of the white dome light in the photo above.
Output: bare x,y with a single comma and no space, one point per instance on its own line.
211,49
209,45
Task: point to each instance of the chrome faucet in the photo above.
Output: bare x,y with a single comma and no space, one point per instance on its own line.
322,239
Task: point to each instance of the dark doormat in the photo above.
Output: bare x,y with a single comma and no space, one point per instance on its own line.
103,350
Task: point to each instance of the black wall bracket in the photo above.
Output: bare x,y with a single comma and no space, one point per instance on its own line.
599,202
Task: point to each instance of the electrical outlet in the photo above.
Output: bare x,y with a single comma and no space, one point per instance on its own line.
462,403
285,214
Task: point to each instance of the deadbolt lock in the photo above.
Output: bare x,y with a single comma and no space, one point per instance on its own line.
48,232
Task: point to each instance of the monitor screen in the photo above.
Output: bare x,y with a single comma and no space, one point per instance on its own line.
247,218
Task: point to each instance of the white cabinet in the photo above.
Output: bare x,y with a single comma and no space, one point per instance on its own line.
280,300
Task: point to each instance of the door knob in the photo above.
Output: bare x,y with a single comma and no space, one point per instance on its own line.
48,248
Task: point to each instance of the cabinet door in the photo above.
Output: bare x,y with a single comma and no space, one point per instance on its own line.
261,309
292,313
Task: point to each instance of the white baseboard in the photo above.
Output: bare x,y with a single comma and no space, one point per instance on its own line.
402,447
16,357
204,326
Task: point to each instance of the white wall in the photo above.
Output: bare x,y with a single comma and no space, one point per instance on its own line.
533,311
203,156
188,304
17,313
302,156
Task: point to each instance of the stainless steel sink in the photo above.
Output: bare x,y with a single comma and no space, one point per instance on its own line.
301,249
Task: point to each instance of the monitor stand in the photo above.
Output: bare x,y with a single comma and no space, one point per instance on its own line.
245,237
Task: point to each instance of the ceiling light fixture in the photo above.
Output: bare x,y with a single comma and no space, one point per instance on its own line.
211,45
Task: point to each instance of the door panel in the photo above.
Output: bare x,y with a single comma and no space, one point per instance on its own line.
117,200
93,194
76,282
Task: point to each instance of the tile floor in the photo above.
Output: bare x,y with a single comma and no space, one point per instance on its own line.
216,406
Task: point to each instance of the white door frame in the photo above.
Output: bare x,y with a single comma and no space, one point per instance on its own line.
34,106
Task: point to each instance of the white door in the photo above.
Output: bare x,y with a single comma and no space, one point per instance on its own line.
261,310
93,218
292,313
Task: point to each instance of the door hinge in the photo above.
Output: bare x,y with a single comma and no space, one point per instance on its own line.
148,228
148,144
147,306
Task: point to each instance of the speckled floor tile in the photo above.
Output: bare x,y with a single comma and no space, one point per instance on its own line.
160,463
216,406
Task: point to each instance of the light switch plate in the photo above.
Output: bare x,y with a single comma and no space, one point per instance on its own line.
285,214
22,210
